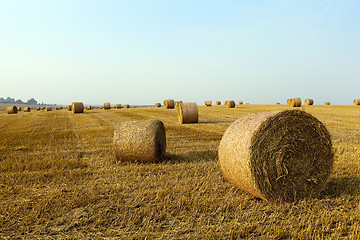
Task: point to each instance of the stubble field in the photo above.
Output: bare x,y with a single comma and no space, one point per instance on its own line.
59,179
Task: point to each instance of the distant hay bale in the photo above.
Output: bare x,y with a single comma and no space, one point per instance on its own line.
188,112
241,102
48,109
88,107
277,103
288,101
218,103
118,106
169,104
126,106
276,156
327,103
295,102
12,110
309,101
140,141
19,109
57,108
230,104
356,102
77,107
158,104
26,109
37,108
107,106
208,103
68,107
42,108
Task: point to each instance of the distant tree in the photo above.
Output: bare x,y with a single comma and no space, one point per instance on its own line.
19,101
32,101
2,100
10,100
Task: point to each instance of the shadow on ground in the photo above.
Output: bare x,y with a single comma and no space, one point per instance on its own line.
192,157
340,186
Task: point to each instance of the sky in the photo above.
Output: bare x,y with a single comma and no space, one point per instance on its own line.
144,51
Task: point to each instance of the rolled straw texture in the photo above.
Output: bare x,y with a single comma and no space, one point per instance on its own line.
77,107
169,104
356,102
188,113
12,110
26,109
208,103
309,101
107,106
218,103
158,104
295,102
118,106
230,104
68,107
277,156
140,141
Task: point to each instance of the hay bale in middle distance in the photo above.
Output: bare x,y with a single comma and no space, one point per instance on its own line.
295,102
77,107
208,103
26,109
118,106
327,103
12,110
48,109
140,141
169,104
107,106
218,102
356,102
277,156
309,101
158,104
230,104
188,112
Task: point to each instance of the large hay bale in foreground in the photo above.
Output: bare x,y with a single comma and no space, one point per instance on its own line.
327,103
169,104
295,102
12,110
26,109
208,103
140,141
77,107
107,106
230,104
218,103
356,102
309,101
118,106
188,112
158,104
277,156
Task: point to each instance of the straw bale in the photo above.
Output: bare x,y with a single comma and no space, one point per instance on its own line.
126,106
140,141
118,106
158,104
26,109
295,102
48,109
218,103
19,109
88,107
356,102
12,110
188,112
177,103
208,103
37,108
107,106
230,104
169,104
277,156
277,103
309,101
288,101
77,107
68,107
241,102
327,103
42,108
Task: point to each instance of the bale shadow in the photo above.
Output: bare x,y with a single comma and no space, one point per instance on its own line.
340,186
207,156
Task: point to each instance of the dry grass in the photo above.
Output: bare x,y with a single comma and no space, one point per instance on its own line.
58,179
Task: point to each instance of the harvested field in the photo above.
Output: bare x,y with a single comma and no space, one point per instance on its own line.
59,179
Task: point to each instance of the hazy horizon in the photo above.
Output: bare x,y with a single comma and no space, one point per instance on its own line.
142,52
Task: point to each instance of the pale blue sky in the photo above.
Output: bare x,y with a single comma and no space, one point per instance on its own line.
142,52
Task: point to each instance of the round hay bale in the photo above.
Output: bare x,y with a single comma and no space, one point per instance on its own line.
277,156
88,107
188,113
208,103
177,103
126,106
107,106
19,109
158,104
295,102
327,103
77,107
230,104
218,103
169,104
288,101
68,107
37,108
12,110
118,106
26,109
309,101
356,102
140,141
241,102
48,109
277,103
42,108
